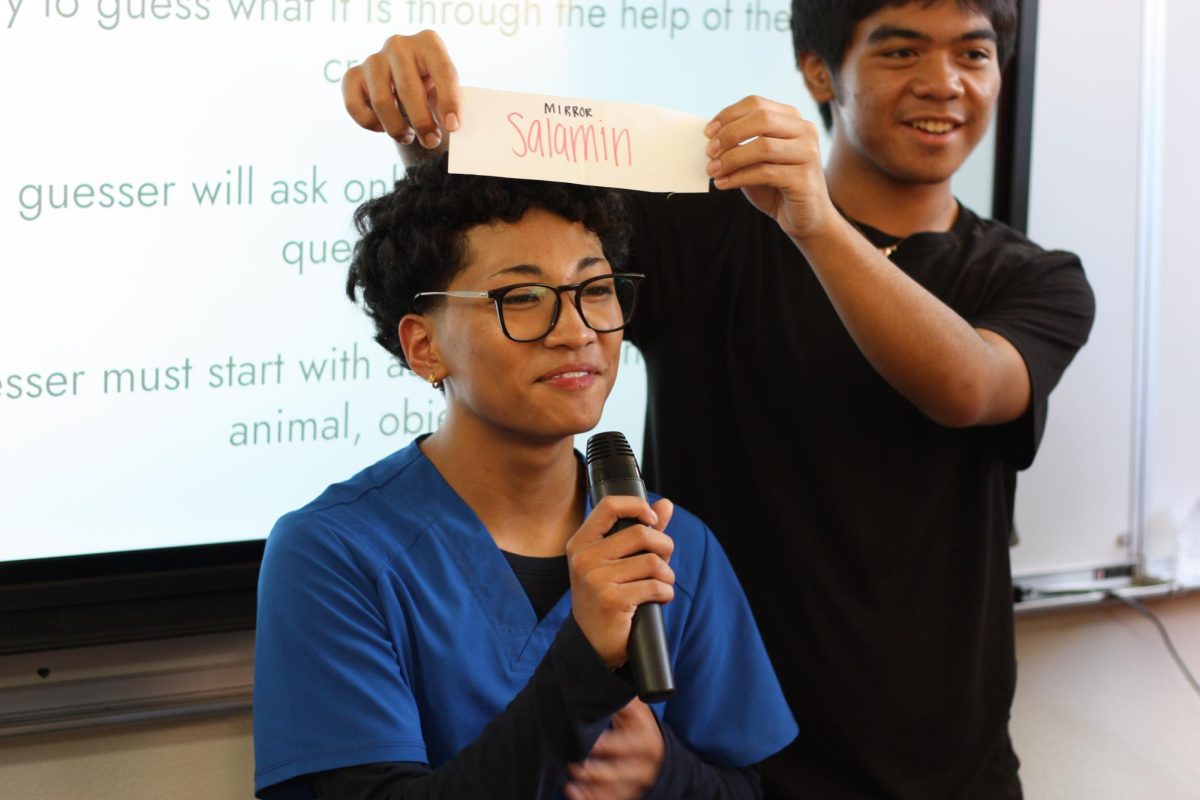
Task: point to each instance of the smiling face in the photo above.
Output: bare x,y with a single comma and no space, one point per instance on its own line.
547,389
914,94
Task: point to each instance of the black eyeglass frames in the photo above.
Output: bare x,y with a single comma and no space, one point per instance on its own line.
529,311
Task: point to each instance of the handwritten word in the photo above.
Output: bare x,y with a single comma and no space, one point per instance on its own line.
566,111
583,142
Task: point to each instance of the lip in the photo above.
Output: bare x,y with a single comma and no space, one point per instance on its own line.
571,376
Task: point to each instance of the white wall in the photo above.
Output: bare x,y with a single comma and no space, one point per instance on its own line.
1073,504
1174,461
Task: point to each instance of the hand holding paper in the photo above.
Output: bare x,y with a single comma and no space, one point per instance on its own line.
405,89
575,140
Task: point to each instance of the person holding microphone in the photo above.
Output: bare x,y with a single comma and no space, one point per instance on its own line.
453,621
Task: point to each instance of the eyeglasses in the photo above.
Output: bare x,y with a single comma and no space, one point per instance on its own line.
529,311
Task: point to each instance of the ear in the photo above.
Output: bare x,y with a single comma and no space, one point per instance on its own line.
416,332
817,76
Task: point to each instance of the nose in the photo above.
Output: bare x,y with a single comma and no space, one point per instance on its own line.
939,79
570,329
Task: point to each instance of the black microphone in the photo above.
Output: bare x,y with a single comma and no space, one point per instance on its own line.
612,469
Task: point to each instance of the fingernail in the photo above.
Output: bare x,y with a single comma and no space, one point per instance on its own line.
721,183
408,138
714,147
713,167
711,128
452,121
431,140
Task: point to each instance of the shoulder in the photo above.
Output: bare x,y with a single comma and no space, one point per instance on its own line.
686,528
697,552
1002,264
366,518
993,242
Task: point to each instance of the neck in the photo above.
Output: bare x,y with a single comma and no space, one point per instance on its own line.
528,494
899,208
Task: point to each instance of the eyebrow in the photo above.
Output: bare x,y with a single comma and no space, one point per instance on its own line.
885,32
534,271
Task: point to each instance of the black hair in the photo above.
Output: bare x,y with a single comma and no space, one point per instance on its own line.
413,239
824,27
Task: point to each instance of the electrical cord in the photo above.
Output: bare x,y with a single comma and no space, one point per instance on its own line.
1162,630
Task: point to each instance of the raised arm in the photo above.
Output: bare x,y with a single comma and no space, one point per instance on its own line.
955,374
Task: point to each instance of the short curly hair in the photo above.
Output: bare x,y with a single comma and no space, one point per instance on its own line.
824,27
414,238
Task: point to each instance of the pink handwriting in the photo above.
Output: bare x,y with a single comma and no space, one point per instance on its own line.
586,141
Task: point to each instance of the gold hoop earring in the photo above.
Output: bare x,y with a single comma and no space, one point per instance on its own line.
434,382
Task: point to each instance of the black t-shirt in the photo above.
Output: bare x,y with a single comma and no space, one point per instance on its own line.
871,541
544,580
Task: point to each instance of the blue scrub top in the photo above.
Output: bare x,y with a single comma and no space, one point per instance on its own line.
391,628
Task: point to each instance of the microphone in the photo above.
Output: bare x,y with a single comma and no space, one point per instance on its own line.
612,469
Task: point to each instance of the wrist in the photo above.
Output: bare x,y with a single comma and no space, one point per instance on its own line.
588,664
828,228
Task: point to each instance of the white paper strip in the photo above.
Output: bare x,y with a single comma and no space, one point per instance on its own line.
575,140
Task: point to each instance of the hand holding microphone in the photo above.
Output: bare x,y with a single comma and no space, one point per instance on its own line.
619,569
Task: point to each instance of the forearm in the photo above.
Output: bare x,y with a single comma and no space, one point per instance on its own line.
685,775
953,373
524,750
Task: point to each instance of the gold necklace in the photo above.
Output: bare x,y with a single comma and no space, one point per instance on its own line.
885,250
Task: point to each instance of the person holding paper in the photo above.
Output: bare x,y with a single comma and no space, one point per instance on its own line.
847,368
452,621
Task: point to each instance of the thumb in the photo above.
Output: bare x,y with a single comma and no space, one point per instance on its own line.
634,715
664,509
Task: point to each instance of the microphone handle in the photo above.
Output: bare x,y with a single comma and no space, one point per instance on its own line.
648,655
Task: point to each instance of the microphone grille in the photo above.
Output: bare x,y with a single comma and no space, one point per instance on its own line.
607,444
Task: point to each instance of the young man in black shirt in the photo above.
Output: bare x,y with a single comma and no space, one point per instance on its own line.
846,370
